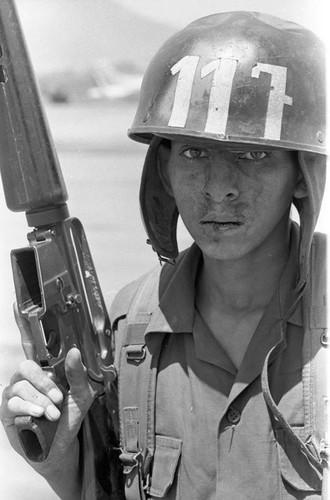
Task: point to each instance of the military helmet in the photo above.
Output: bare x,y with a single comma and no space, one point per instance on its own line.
232,78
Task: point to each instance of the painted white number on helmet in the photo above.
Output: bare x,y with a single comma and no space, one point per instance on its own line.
220,92
186,68
224,71
277,98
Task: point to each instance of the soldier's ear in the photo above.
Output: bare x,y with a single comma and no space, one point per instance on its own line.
163,156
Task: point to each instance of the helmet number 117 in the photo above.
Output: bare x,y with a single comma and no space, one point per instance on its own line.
220,92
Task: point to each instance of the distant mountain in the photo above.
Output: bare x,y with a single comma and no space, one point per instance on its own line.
89,49
68,39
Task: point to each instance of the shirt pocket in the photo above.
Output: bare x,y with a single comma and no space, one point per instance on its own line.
166,459
300,478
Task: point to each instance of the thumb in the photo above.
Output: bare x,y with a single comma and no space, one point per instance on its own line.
76,373
77,403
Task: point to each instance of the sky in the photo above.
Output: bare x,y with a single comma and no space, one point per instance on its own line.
311,13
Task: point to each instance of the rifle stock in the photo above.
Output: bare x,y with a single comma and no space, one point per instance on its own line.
59,300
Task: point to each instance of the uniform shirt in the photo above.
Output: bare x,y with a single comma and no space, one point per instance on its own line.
215,436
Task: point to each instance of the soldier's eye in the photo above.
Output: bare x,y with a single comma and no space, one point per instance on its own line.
194,153
253,155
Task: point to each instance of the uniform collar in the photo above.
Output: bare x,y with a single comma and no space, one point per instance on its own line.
284,308
268,333
176,310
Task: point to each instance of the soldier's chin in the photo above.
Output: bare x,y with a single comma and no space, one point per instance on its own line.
221,249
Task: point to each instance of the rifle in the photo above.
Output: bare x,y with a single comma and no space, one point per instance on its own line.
59,300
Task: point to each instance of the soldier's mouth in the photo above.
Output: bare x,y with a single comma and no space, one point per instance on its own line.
222,223
219,226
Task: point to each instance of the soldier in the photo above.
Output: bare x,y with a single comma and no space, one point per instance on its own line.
220,351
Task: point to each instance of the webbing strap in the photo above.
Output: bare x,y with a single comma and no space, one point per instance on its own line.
316,358
315,363
137,388
315,353
279,416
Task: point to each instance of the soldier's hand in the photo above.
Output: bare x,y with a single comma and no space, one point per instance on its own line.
32,392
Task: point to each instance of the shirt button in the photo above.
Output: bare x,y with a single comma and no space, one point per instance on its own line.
233,415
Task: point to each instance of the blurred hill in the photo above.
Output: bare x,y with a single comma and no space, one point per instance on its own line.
76,44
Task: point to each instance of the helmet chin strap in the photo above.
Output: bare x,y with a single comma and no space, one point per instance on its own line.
161,259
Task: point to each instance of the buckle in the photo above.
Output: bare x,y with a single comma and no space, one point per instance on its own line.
325,340
130,461
324,451
135,353
166,260
146,483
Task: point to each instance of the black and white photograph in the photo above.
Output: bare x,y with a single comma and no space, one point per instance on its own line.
164,214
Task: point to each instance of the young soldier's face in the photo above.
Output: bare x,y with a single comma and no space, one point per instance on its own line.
233,202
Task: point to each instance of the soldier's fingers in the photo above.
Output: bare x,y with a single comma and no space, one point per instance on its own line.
30,371
27,392
22,396
17,406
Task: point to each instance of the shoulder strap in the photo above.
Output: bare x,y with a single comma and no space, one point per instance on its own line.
137,388
315,362
316,356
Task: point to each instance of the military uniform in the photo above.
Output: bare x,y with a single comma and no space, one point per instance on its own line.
215,434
